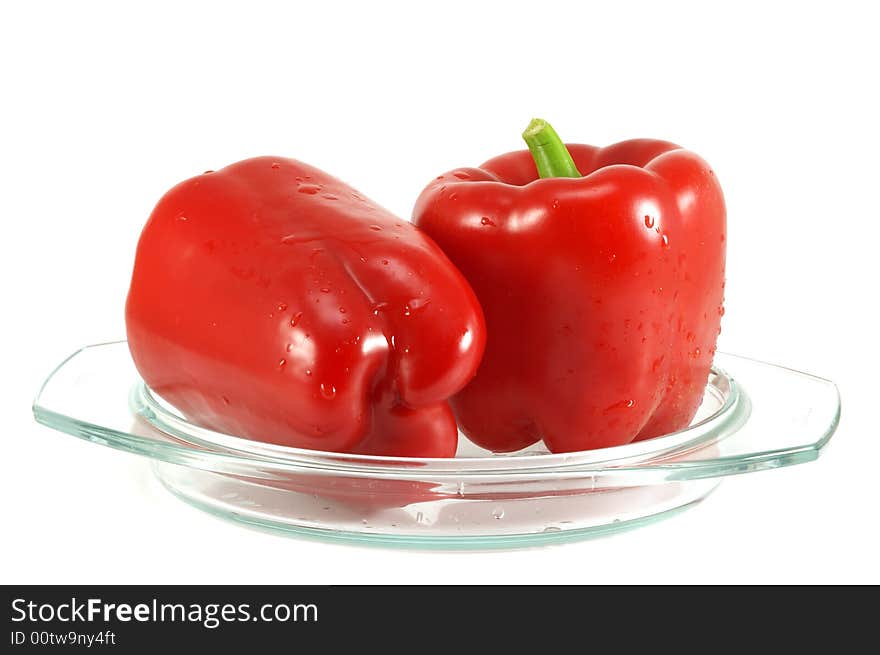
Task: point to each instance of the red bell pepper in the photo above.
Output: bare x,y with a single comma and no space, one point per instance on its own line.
271,301
601,284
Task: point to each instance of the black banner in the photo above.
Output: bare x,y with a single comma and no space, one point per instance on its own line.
134,619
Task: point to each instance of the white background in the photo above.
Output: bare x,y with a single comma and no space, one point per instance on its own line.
106,106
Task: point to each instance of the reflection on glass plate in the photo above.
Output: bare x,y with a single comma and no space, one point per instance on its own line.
754,416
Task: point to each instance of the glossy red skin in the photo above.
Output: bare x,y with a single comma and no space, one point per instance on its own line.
271,301
602,294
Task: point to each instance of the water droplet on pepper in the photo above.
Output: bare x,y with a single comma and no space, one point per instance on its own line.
415,305
621,404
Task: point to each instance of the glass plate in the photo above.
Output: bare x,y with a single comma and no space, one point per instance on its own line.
754,416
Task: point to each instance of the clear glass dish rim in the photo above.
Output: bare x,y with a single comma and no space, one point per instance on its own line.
723,421
657,460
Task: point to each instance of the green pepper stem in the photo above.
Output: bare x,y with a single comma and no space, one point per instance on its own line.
549,152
